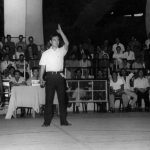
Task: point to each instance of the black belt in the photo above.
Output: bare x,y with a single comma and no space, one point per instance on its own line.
54,72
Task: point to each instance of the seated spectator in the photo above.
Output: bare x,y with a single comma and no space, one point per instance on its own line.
78,74
79,93
5,74
118,56
138,64
11,45
6,63
116,89
99,52
129,55
17,80
99,74
11,72
131,96
125,64
147,42
141,88
135,45
18,52
35,73
1,89
147,57
72,64
21,43
6,50
106,47
22,66
117,43
84,63
32,49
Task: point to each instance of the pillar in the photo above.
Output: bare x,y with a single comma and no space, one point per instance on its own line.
24,17
147,16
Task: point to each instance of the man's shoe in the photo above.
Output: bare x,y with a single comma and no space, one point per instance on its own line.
66,123
45,125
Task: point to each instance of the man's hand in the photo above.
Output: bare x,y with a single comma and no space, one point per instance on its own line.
66,42
59,30
42,83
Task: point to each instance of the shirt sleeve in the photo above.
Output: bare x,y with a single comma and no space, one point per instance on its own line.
42,60
64,51
135,83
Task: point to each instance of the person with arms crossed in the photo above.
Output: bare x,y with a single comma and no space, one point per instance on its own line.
52,61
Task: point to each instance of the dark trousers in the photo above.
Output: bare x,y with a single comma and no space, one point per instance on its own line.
145,96
55,82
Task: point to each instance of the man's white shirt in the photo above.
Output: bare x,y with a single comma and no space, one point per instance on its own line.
53,59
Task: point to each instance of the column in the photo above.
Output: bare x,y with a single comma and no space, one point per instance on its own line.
24,17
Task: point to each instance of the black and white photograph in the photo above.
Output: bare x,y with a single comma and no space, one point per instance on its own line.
74,74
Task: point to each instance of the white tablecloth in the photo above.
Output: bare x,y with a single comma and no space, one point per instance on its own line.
25,96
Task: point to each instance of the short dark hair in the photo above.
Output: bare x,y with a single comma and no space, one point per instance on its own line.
35,68
17,71
54,35
30,37
19,46
21,36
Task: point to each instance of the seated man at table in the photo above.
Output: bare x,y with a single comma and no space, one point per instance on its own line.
17,80
33,80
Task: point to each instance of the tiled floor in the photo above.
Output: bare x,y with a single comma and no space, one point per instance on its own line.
91,131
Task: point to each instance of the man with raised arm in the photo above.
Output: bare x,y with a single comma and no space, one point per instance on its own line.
52,61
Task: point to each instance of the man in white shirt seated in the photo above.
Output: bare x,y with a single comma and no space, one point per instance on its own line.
131,95
129,55
6,63
118,57
114,47
141,87
116,90
17,80
138,64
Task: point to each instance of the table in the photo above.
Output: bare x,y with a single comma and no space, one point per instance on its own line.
25,96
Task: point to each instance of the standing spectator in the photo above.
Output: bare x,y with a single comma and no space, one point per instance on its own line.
117,43
141,88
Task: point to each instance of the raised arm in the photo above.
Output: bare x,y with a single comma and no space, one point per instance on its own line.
59,30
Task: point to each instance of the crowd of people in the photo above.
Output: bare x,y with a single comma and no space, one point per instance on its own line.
126,66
